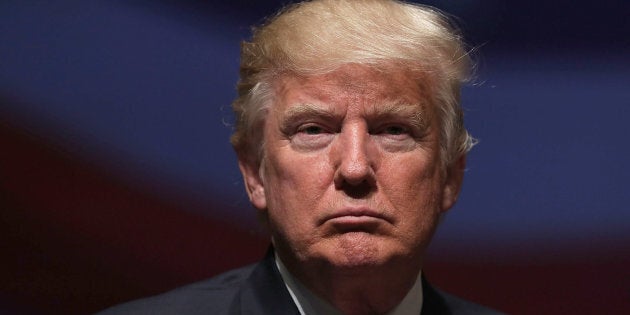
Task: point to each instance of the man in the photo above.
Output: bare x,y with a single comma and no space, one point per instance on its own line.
351,143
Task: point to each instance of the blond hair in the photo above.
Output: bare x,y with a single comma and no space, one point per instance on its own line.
316,37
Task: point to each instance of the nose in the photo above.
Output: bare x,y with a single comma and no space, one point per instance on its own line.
354,160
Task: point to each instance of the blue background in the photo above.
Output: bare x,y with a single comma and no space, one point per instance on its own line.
143,89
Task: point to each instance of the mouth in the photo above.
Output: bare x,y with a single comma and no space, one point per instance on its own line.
355,219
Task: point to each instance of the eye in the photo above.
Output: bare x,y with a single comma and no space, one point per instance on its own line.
395,137
395,130
311,130
311,136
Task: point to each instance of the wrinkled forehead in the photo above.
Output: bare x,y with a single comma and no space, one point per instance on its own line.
384,85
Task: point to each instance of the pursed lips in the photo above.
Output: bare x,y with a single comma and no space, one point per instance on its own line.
355,217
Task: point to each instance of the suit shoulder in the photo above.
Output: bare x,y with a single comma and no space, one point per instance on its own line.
460,306
211,296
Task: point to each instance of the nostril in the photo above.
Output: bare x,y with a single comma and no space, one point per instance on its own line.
357,191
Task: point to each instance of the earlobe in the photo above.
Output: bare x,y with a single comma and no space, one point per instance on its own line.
453,182
253,184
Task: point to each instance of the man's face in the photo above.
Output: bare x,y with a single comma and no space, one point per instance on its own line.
351,174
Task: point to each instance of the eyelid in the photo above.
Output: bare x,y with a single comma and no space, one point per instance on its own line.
298,123
305,126
405,127
303,139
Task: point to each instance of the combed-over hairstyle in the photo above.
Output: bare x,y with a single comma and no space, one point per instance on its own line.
319,36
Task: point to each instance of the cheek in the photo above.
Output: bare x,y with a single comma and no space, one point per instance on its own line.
295,189
299,170
294,182
410,170
414,189
416,206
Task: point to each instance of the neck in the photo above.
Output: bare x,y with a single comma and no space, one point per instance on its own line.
357,290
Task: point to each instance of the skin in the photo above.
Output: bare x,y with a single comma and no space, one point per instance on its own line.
352,183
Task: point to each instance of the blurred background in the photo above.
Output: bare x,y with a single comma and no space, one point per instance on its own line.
117,179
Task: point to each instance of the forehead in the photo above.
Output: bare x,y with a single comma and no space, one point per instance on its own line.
356,84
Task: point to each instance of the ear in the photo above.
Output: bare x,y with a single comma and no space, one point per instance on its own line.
254,184
453,182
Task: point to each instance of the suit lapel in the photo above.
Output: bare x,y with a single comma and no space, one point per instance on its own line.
264,292
432,301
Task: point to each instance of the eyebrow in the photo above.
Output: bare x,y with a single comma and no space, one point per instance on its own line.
415,113
303,110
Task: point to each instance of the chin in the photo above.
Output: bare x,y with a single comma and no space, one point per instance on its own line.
357,250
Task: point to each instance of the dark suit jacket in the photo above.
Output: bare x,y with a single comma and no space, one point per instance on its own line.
259,289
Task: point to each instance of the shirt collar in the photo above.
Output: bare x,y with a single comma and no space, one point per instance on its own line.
310,304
